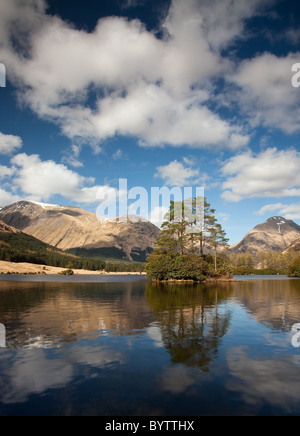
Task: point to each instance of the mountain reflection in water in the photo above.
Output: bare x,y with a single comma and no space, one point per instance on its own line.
137,348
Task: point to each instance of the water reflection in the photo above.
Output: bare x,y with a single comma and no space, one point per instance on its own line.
137,348
43,315
192,320
273,303
269,385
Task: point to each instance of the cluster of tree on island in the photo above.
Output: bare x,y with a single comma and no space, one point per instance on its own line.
190,228
186,237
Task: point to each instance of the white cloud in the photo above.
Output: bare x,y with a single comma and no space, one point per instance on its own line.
176,174
221,21
9,144
7,198
72,156
272,173
223,217
40,180
269,208
154,89
150,112
289,211
189,161
266,95
43,179
119,154
5,172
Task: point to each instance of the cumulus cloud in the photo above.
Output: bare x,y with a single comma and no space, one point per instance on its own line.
155,89
266,96
152,114
43,179
40,180
272,173
221,22
9,144
176,174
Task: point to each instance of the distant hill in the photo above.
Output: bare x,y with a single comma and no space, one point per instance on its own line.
295,247
277,234
79,232
16,246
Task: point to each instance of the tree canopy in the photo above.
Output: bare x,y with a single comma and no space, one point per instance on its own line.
188,245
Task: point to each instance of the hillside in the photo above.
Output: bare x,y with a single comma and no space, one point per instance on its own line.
5,229
276,234
295,247
16,246
80,232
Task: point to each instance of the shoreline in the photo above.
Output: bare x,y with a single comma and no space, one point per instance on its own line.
208,280
10,268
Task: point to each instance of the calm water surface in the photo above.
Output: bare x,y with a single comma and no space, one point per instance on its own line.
134,348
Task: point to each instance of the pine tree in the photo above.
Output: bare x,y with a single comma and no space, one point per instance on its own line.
173,235
217,239
200,218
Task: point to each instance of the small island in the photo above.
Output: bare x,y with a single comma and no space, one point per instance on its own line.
190,230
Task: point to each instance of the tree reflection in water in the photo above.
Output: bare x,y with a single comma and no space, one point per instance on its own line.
192,319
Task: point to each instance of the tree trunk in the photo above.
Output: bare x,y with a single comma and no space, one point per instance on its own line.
216,266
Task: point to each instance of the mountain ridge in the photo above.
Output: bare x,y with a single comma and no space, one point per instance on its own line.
80,232
277,234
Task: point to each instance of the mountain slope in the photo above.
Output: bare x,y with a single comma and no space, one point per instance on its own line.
277,234
5,229
70,228
16,246
294,248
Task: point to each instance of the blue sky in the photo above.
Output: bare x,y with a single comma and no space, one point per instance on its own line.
161,93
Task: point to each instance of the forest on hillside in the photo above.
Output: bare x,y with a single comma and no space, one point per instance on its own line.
19,247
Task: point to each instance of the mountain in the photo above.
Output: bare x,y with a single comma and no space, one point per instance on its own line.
80,232
277,233
16,246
